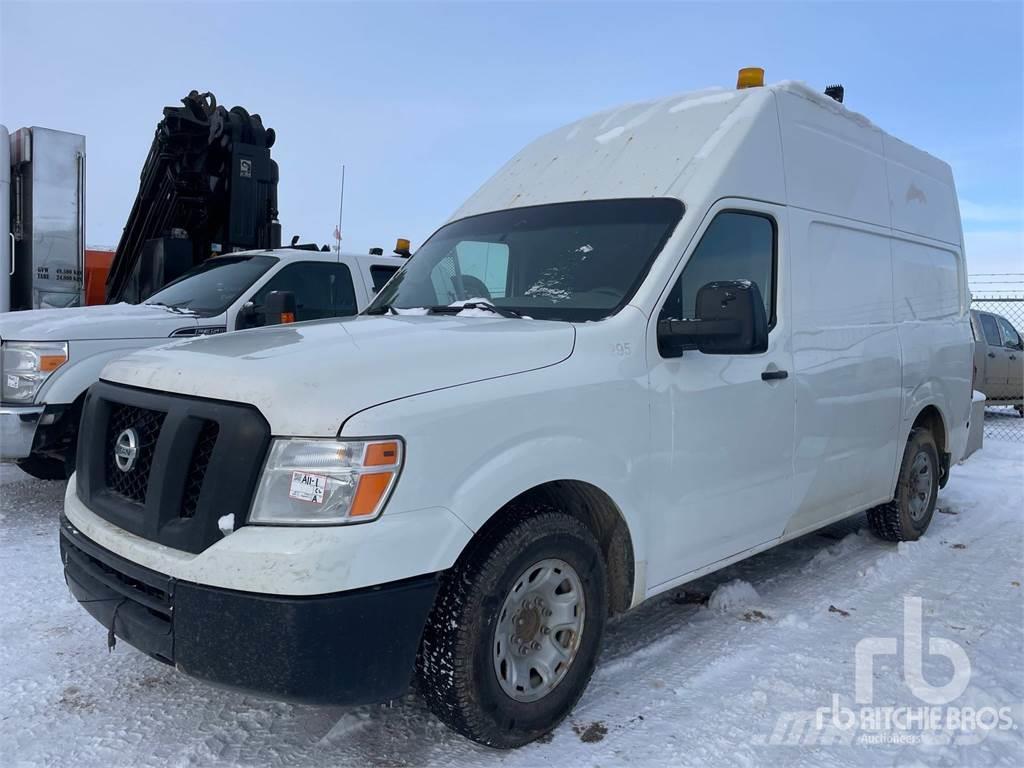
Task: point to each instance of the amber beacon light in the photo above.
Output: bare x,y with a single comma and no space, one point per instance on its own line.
750,77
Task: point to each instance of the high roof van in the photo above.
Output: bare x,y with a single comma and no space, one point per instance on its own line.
659,340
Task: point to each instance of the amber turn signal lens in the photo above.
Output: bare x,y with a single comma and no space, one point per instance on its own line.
49,363
369,493
381,455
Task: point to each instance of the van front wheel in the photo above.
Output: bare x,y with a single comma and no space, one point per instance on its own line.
908,515
515,631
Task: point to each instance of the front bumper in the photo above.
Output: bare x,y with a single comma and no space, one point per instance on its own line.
353,647
18,430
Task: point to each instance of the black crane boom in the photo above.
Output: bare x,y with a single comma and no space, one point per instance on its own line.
208,186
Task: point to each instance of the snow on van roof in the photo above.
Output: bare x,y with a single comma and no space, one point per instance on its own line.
716,142
635,150
805,91
638,149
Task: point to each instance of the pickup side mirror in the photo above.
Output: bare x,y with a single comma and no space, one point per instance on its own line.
279,308
731,320
246,316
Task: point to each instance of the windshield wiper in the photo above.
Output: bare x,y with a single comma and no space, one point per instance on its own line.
447,309
173,307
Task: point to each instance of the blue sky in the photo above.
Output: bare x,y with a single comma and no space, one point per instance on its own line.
423,101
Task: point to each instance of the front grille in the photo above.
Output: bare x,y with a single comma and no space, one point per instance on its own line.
197,467
197,461
146,423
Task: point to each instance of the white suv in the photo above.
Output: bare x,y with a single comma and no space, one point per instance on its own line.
658,341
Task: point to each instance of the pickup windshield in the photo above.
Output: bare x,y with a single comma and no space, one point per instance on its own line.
565,261
214,285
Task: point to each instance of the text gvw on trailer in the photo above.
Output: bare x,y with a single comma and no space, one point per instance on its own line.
866,723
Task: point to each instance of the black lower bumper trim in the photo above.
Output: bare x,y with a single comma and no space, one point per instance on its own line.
353,647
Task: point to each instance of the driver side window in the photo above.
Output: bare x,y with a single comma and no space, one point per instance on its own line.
735,246
1011,338
322,289
473,270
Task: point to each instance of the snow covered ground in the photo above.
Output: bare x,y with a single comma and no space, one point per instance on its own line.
731,670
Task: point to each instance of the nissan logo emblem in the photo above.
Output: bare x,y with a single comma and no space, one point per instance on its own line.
126,449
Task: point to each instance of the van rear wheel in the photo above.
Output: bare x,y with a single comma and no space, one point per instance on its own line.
908,515
515,631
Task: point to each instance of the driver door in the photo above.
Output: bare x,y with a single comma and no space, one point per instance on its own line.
322,289
722,424
1013,350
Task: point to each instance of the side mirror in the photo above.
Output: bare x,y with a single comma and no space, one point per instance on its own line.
246,316
731,320
279,307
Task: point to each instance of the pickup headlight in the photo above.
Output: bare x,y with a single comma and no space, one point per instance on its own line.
326,482
25,365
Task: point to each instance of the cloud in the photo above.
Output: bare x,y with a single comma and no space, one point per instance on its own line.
989,214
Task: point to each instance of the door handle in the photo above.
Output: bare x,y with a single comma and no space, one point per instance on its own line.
1013,357
773,375
991,354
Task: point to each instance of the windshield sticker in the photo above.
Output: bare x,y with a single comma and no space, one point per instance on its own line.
308,487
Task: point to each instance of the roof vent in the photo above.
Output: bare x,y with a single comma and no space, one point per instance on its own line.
835,92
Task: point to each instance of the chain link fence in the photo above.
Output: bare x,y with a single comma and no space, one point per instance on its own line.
1001,368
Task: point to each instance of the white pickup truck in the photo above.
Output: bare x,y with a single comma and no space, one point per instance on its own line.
50,357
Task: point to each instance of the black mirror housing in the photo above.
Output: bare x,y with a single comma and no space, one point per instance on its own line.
730,320
246,317
279,307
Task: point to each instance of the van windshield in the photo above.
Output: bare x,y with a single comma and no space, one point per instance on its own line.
565,261
214,285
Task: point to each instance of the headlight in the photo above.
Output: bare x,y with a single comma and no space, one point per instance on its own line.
25,365
326,482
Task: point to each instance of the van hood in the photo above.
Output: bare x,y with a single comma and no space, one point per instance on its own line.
308,378
106,321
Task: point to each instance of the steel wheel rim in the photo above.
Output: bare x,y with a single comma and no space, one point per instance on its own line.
539,629
920,486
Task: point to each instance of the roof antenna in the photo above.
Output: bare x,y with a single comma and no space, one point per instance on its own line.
835,92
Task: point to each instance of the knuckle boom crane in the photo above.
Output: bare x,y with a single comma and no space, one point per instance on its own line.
208,186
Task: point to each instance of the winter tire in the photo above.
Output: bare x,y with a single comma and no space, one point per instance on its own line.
516,630
908,515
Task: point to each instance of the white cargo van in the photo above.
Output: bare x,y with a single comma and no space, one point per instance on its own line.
50,357
659,340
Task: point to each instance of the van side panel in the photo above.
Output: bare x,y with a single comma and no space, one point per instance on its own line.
833,164
935,334
921,193
847,366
